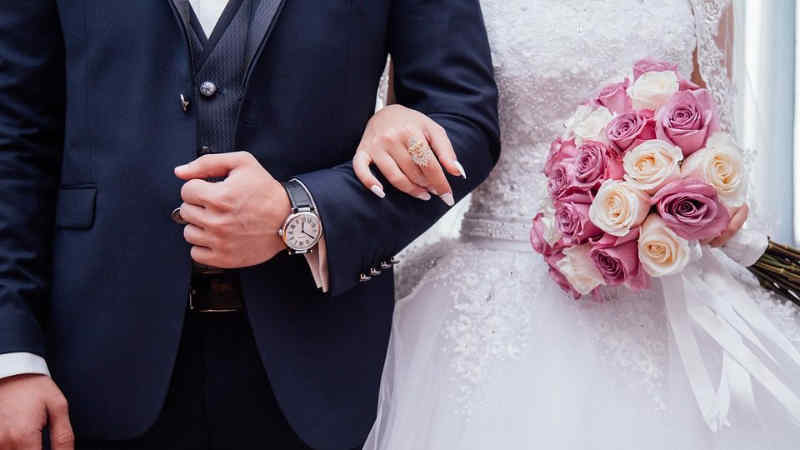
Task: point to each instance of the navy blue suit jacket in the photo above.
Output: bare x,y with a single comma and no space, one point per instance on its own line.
94,274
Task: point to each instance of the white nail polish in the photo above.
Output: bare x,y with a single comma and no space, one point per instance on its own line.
377,190
433,191
423,196
448,199
461,170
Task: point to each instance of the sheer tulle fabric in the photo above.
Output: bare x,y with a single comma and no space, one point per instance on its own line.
486,352
489,360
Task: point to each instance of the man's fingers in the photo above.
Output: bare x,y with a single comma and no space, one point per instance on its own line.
197,236
203,255
61,435
213,166
194,215
443,149
197,192
361,164
398,179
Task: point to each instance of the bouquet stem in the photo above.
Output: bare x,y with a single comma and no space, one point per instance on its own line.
778,270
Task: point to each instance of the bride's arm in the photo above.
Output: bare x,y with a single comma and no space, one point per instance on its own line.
389,135
723,39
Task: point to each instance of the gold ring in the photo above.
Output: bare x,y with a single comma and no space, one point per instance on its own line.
420,152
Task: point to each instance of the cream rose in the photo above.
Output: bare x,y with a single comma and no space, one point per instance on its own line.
579,269
618,207
653,89
589,123
720,164
652,164
661,251
550,233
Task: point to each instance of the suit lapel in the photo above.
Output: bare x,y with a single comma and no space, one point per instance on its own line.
261,25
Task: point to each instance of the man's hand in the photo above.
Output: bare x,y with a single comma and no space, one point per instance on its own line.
27,404
232,223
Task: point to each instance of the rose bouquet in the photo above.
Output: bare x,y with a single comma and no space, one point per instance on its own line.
641,177
642,174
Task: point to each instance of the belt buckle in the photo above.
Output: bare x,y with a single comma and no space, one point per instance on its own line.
192,308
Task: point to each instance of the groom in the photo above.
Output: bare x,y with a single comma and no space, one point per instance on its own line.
209,334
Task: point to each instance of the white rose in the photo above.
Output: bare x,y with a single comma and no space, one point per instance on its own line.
579,269
661,251
652,164
653,89
618,207
550,233
589,123
720,164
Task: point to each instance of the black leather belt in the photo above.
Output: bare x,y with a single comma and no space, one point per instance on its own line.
215,291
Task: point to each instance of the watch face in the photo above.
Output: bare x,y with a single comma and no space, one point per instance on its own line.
302,231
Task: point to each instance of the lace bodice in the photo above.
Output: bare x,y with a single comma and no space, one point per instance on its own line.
549,56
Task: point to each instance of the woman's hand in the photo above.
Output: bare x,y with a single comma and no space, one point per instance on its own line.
392,135
738,218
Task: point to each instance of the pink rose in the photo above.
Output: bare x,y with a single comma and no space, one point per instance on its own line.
617,259
545,238
595,163
630,129
692,209
559,151
559,277
615,97
687,120
649,65
561,179
572,221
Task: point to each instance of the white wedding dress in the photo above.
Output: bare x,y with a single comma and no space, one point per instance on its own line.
487,352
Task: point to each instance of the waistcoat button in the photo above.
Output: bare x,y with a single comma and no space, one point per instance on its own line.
207,88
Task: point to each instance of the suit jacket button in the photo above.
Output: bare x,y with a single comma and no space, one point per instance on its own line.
207,88
363,278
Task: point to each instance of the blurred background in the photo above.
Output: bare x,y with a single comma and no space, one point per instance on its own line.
766,57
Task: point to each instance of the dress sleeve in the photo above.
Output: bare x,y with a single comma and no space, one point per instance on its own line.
714,31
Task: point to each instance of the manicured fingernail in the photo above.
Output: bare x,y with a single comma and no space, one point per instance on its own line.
433,191
461,170
423,196
377,190
448,199
181,167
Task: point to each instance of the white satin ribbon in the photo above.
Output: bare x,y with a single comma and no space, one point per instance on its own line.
707,295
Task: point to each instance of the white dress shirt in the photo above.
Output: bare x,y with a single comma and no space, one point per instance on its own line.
208,13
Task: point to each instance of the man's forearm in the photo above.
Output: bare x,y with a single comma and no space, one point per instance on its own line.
362,230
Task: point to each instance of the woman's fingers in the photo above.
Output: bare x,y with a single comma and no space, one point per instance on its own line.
391,171
443,148
428,165
361,163
737,221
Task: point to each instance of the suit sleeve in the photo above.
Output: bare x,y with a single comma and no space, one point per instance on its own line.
443,68
31,138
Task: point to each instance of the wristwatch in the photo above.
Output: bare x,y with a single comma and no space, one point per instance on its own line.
302,230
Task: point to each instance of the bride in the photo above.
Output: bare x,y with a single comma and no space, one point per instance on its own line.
486,352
